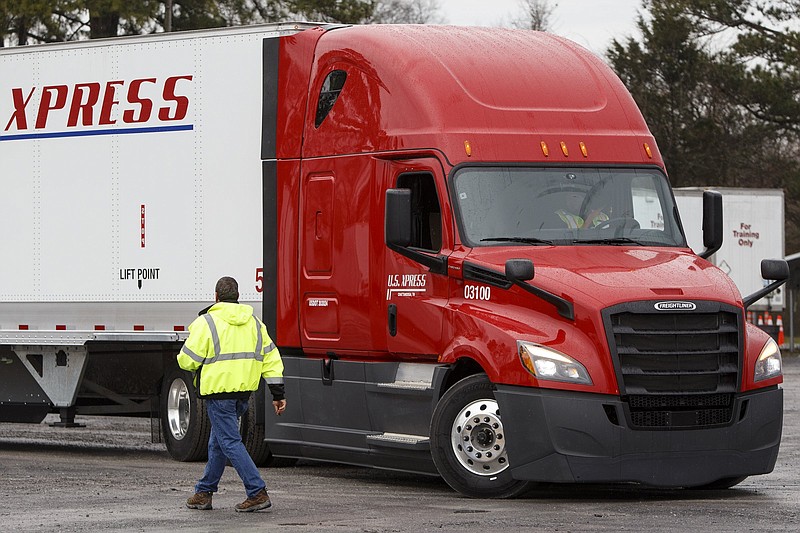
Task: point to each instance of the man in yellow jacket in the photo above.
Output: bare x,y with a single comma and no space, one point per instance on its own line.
229,350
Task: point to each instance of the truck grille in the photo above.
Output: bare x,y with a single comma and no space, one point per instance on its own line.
676,369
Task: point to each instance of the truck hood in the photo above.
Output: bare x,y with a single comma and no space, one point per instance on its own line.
609,275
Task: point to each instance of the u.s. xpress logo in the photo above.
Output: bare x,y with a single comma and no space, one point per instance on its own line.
142,105
675,306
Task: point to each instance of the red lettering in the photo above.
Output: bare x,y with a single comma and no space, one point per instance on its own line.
48,105
182,102
19,109
109,102
146,105
86,108
81,107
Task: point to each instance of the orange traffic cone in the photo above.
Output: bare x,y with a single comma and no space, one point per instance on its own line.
769,320
760,320
750,316
780,331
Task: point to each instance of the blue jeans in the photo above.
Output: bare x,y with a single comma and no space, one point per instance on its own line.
225,444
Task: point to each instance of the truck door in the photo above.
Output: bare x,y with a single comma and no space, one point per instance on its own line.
337,302
416,296
319,306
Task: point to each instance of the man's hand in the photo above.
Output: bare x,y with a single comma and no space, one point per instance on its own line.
594,218
280,406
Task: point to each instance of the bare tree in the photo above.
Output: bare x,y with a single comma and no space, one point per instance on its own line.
536,15
407,12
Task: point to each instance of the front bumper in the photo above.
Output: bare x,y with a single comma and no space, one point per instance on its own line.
559,436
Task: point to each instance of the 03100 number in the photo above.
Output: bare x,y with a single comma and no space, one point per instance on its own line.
474,292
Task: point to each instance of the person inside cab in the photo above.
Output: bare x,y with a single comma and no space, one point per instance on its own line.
570,214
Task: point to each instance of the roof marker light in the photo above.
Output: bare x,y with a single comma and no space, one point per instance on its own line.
648,151
584,150
564,149
545,149
468,148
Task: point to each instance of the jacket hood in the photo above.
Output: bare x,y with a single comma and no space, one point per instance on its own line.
234,314
612,274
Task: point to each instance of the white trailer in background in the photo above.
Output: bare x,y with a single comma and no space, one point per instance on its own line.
753,226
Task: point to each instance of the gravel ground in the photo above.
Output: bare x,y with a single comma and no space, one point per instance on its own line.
109,476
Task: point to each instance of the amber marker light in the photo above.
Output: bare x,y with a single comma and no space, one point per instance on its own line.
545,149
564,149
468,148
584,150
648,151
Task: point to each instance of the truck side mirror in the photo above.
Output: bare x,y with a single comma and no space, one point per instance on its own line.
774,269
519,269
712,223
397,221
397,231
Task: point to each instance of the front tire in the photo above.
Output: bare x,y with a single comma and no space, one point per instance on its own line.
184,420
468,442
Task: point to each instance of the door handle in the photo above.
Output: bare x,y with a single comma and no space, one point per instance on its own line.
392,319
327,368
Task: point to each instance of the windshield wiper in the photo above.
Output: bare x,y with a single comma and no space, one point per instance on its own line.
524,240
612,240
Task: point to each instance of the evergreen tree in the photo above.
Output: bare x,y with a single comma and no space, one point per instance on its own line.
715,111
343,11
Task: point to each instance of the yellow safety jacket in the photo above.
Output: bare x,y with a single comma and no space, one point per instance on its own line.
572,221
577,222
231,351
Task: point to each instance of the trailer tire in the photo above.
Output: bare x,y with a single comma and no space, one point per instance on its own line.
183,417
467,442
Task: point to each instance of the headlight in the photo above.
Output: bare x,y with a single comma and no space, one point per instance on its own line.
551,365
769,362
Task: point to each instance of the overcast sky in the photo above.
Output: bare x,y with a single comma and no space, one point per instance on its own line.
591,23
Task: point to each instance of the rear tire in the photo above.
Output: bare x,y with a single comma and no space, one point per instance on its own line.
253,434
468,442
253,437
184,420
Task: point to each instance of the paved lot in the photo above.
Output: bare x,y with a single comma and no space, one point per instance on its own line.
109,476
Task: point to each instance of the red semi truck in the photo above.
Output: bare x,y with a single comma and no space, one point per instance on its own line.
448,231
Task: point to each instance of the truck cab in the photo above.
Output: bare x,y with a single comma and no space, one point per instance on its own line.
486,226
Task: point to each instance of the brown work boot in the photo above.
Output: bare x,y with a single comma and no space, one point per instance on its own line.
256,503
201,500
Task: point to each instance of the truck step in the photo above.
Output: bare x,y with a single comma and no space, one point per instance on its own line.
400,440
407,385
421,389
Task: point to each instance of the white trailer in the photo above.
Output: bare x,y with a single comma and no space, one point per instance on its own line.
129,169
753,228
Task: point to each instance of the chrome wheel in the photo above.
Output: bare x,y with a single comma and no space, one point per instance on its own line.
178,408
477,438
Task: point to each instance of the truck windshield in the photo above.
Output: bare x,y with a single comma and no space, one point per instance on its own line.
522,206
